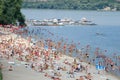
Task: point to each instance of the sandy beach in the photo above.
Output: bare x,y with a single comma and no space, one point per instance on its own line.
45,66
20,72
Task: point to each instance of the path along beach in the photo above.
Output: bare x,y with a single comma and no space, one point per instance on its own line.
20,59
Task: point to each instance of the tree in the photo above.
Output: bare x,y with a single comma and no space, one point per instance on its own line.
72,4
10,12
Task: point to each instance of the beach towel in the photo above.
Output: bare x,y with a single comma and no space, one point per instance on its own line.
99,67
11,62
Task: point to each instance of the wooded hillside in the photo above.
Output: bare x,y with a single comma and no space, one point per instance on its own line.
72,4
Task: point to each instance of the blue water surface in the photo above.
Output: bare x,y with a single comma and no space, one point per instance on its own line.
105,35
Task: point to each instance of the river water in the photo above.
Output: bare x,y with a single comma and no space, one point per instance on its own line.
105,35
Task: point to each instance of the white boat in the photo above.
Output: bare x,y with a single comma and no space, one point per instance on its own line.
47,24
84,21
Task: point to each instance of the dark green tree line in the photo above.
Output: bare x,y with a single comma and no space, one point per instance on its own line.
73,4
10,12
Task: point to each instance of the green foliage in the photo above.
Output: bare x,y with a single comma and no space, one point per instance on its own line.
72,4
10,12
1,77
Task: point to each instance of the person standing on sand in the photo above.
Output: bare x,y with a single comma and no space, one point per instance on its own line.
10,68
71,72
1,66
81,78
89,76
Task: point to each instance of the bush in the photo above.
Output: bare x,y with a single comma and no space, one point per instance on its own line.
1,75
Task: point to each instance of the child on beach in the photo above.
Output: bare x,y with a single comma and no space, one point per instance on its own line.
10,68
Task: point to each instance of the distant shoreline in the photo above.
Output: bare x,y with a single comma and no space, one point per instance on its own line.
71,4
73,10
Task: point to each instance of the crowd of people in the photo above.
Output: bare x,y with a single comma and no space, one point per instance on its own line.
47,55
36,58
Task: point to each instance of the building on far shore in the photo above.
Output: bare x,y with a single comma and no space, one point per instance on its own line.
108,9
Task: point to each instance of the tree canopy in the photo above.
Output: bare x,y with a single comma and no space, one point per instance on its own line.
10,12
72,4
